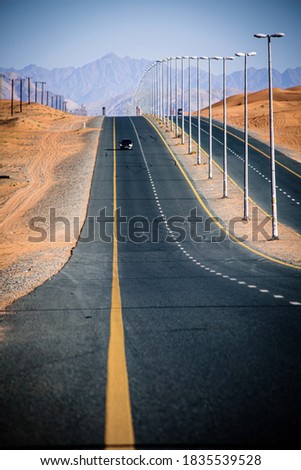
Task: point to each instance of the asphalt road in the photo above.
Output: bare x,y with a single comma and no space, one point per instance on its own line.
288,171
212,330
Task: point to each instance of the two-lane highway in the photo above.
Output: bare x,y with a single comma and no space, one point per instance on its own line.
210,330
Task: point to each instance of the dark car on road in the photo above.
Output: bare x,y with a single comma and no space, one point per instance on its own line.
126,144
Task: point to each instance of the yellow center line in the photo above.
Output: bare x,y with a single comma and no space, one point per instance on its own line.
119,430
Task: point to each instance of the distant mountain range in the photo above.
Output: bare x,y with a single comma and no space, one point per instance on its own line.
111,82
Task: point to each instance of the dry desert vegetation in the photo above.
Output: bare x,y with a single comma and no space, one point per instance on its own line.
47,161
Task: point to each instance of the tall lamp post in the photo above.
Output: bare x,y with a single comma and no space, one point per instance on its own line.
183,99
189,104
167,92
170,93
162,90
275,235
210,115
154,89
198,158
157,72
246,157
225,155
176,97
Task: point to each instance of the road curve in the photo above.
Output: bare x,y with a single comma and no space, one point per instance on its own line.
211,331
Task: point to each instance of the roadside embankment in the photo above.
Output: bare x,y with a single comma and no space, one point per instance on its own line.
47,162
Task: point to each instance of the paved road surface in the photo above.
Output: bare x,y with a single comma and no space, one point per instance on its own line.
212,331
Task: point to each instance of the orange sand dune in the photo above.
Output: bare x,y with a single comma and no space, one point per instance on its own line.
287,116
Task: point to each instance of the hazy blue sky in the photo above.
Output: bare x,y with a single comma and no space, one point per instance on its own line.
56,33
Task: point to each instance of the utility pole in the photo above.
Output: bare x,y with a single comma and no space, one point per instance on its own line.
36,92
21,94
42,95
12,97
28,89
1,85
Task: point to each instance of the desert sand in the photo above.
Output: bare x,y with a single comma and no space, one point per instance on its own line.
287,117
47,161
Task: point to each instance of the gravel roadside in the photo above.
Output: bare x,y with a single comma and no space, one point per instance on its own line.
66,197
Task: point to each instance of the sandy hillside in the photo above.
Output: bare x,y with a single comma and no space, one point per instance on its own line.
46,164
287,116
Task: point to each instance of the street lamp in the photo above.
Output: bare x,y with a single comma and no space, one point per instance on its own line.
176,96
182,84
198,158
170,93
167,91
189,104
225,159
246,157
275,235
154,89
159,65
162,90
158,87
210,115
